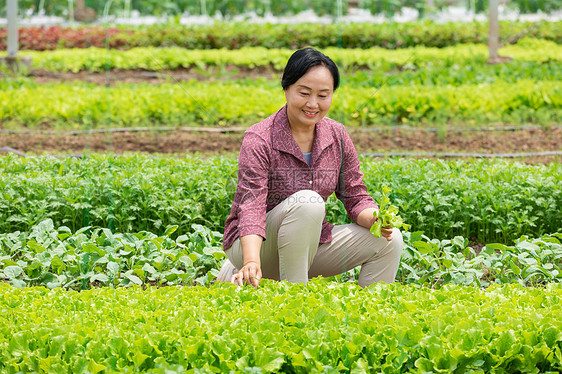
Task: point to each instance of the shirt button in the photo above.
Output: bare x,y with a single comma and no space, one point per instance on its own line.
310,182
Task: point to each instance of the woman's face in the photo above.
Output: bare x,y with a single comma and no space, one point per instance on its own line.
309,98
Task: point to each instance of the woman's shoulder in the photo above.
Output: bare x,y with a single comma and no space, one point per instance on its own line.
261,129
258,136
335,127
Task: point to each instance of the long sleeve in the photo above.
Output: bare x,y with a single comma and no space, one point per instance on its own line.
251,191
351,189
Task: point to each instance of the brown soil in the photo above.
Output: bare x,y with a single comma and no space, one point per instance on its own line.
486,142
114,77
151,142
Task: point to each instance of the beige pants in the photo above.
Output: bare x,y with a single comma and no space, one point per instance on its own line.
291,251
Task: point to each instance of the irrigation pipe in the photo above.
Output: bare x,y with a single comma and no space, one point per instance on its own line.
10,149
461,154
242,129
437,129
392,154
127,129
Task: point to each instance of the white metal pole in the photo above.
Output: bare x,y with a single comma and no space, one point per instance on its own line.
41,10
106,9
127,10
71,11
494,31
339,11
203,8
12,12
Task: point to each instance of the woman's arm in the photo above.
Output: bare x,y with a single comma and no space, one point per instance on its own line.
251,246
251,271
366,218
251,194
351,189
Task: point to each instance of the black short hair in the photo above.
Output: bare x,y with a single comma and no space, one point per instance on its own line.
302,60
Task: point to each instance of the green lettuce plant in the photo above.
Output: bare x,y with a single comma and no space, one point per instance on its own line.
387,215
323,327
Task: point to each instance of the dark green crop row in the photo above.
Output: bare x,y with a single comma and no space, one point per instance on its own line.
488,201
238,35
282,328
57,257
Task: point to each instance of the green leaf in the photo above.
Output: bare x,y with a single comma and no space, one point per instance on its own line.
12,271
94,367
424,247
516,269
505,342
552,335
17,283
92,248
270,359
387,215
170,230
134,279
376,229
37,248
113,268
533,248
186,261
360,367
149,268
139,358
99,277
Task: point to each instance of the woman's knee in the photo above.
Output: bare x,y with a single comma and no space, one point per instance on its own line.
389,248
308,202
396,243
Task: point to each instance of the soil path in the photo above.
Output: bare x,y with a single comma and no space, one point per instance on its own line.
137,76
487,142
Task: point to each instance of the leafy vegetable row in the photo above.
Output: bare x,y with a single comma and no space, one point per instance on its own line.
24,103
484,200
321,328
238,35
431,60
52,257
434,262
56,257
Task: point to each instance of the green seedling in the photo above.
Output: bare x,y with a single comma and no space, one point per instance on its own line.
387,215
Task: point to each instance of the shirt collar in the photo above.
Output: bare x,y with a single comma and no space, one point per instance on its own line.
282,138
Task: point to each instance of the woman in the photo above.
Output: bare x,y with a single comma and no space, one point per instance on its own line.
289,164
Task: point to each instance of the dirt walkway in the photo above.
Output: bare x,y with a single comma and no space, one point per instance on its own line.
520,141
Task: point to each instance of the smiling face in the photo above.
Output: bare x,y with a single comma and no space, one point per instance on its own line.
310,97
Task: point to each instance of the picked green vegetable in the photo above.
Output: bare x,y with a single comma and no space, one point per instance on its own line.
387,215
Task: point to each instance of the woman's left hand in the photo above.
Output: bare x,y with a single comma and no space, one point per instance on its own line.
249,274
387,233
367,219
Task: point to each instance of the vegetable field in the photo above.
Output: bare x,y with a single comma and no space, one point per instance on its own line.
321,328
418,86
109,258
149,193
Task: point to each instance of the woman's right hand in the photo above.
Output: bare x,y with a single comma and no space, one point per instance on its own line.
250,273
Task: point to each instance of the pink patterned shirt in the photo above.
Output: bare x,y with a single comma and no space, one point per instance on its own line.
271,167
